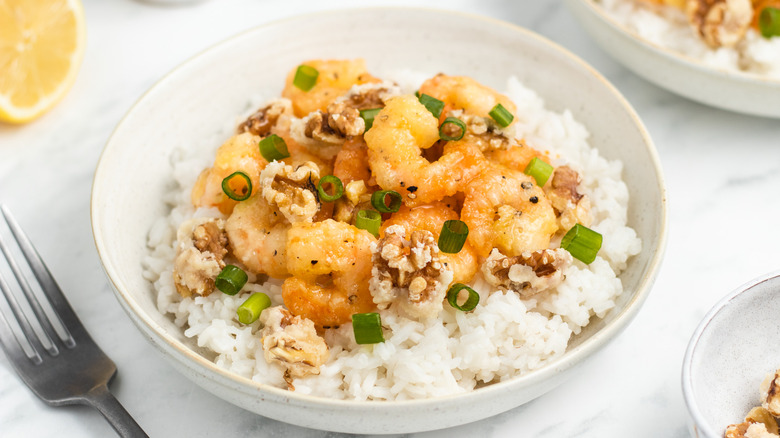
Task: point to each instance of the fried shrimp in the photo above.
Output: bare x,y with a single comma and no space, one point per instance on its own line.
401,131
238,153
506,209
257,233
334,79
431,217
330,264
464,93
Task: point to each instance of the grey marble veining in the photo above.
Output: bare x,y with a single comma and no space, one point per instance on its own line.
722,171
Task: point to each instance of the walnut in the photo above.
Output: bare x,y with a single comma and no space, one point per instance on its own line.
292,342
317,128
409,273
261,122
569,205
749,430
200,252
356,196
344,112
528,273
770,393
292,189
720,23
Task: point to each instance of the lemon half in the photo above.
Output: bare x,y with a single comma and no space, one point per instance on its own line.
41,48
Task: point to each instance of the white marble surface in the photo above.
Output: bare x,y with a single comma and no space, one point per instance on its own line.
722,170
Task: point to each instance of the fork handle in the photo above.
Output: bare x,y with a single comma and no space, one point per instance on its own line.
101,399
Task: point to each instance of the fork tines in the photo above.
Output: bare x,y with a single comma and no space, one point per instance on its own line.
37,327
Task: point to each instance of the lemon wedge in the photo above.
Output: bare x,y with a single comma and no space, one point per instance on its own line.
41,48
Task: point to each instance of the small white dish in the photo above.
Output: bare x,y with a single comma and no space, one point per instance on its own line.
735,91
197,98
730,353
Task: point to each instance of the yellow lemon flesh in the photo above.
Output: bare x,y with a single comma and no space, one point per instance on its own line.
41,47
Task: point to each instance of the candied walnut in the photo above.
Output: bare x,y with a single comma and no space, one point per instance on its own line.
261,122
770,393
528,273
409,273
317,128
344,112
761,415
570,206
291,189
292,342
720,23
748,430
200,252
356,196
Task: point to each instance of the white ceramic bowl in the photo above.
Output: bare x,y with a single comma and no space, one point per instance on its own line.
680,74
198,97
730,353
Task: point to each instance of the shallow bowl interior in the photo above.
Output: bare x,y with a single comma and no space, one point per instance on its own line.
199,97
735,91
731,352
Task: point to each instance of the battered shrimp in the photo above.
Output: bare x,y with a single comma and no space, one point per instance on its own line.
514,156
505,209
334,79
431,218
330,264
239,153
257,233
461,92
395,144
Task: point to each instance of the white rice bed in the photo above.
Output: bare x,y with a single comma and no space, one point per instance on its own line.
668,27
503,337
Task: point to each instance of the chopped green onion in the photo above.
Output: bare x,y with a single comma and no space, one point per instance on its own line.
243,193
501,115
378,201
452,121
338,188
539,170
453,236
368,115
305,77
231,279
434,105
582,242
250,310
471,301
367,328
369,220
273,148
769,22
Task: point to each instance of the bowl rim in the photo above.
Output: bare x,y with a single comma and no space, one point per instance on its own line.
687,375
189,358
678,57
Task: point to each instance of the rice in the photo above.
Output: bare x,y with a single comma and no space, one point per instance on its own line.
668,27
505,336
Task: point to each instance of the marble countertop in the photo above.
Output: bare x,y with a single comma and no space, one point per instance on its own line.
722,171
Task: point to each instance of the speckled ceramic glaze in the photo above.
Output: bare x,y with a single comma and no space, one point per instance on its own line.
731,352
211,89
678,73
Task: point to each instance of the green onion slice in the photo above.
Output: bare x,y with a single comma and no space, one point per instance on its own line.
769,22
501,115
273,148
452,121
453,236
369,220
305,77
250,310
245,188
230,280
582,242
338,188
367,328
471,301
434,105
368,115
379,201
539,170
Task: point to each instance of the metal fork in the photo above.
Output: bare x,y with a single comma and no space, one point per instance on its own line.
57,359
